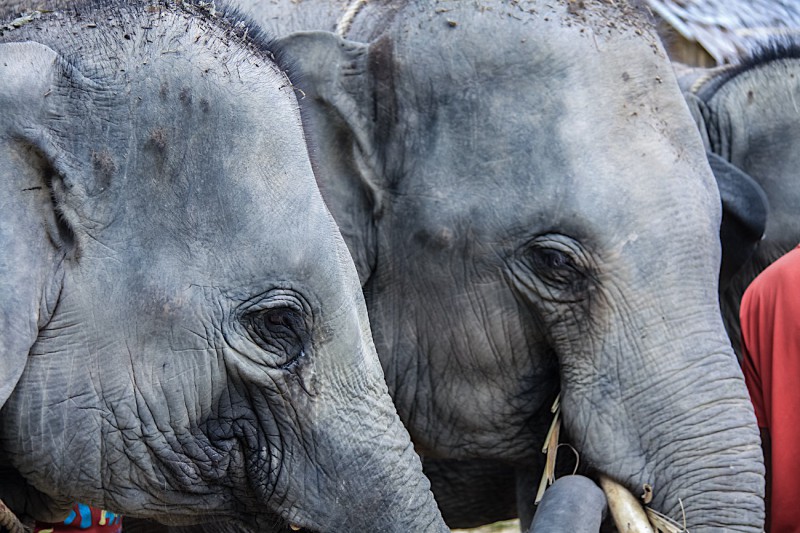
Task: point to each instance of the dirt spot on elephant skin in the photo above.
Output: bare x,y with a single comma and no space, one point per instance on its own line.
104,168
158,140
185,96
606,17
163,93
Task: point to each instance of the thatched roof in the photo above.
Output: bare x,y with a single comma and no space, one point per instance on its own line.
727,29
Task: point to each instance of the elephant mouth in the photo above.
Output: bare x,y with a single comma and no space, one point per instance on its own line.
628,512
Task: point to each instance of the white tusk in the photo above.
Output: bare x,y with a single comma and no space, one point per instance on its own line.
629,516
294,527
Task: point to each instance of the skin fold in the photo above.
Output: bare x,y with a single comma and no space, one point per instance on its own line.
530,208
182,331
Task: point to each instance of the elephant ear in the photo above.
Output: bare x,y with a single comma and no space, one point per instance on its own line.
699,112
33,237
349,110
744,215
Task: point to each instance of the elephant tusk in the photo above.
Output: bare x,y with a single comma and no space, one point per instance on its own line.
294,527
628,514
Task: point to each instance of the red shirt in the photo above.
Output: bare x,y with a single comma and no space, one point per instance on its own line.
770,317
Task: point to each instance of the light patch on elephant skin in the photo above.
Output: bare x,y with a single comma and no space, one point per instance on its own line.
632,238
441,238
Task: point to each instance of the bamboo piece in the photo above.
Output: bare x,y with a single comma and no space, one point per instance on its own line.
551,449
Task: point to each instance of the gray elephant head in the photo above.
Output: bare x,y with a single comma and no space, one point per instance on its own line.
182,332
747,115
530,207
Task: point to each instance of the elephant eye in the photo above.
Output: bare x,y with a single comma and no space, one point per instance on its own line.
555,260
550,259
281,331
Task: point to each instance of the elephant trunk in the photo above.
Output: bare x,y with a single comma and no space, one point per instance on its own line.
411,508
354,468
380,476
679,420
709,463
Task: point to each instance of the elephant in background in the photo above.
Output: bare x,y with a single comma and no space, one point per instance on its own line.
182,331
530,208
749,117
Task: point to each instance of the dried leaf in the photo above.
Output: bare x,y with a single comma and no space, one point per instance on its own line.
550,448
665,524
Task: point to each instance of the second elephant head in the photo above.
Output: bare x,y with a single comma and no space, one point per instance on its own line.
532,210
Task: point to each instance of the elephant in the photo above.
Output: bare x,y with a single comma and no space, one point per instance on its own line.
530,209
748,117
182,330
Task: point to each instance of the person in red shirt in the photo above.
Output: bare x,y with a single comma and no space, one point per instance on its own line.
770,318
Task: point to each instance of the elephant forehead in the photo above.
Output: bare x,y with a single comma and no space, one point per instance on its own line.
213,180
564,127
466,42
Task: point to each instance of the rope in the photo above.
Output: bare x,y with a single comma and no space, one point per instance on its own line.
343,26
9,521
